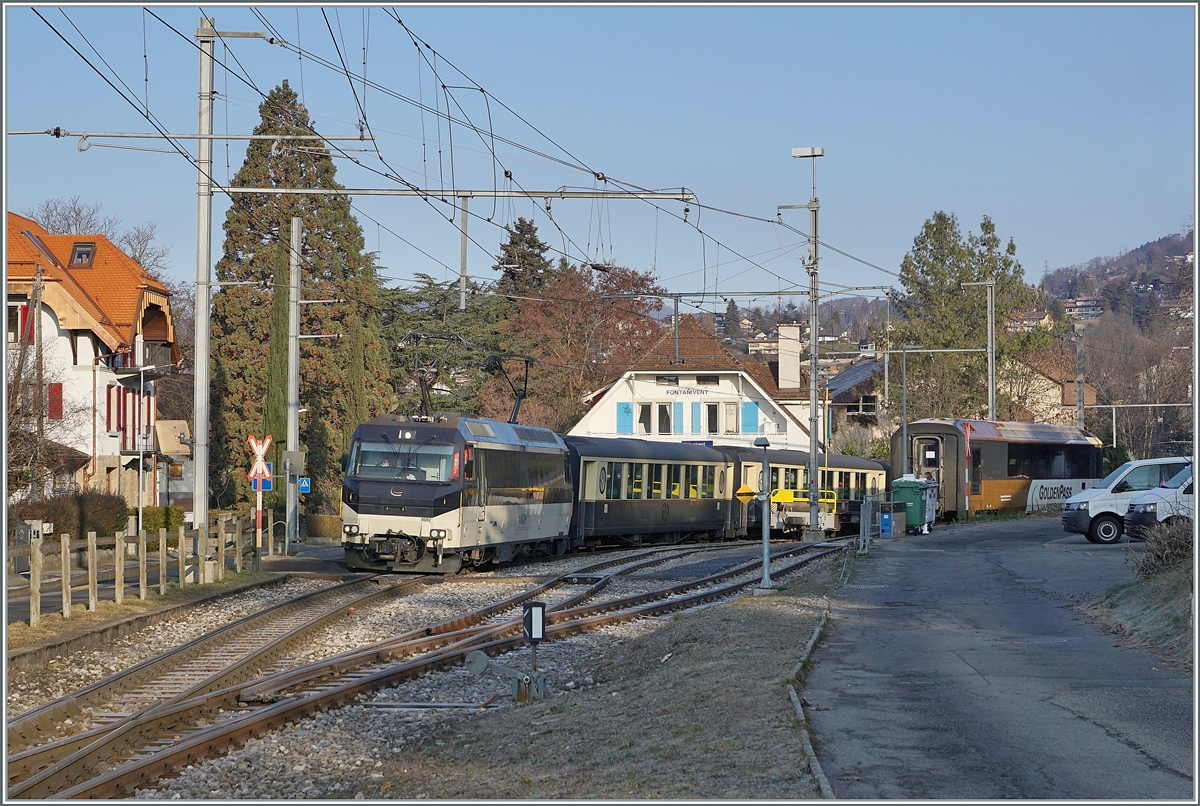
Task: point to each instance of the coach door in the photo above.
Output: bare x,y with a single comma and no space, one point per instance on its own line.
927,462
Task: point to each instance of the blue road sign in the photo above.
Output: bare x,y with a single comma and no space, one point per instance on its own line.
305,484
265,485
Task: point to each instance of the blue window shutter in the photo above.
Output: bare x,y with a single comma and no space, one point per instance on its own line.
624,418
749,417
696,417
677,418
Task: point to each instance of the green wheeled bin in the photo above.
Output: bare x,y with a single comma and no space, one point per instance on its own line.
919,497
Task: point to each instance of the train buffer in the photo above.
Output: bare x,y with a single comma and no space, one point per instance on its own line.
527,687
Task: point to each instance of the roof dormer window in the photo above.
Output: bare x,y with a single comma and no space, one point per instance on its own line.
82,254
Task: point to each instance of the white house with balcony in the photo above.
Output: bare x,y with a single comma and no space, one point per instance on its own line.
100,333
692,389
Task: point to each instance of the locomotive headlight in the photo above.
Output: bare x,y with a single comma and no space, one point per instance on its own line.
437,533
350,528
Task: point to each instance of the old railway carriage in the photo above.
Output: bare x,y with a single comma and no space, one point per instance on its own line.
638,491
843,482
1013,466
429,496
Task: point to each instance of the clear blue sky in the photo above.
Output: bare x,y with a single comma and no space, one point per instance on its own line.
1074,128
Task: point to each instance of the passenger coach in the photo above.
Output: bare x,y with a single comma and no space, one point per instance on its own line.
641,491
1013,466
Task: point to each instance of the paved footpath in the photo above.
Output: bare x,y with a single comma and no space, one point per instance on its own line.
956,666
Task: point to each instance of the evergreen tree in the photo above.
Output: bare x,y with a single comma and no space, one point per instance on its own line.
275,406
334,267
939,314
733,320
432,308
522,261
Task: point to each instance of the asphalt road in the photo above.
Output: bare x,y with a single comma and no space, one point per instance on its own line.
956,666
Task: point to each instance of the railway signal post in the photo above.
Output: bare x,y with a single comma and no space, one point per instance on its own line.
259,475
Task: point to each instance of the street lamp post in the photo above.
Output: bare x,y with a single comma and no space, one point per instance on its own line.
813,341
141,437
765,513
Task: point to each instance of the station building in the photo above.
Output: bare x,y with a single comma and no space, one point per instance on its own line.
691,388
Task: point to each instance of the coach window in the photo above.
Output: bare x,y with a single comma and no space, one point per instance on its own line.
644,412
613,487
707,473
673,474
664,418
655,473
774,478
634,473
791,478
691,487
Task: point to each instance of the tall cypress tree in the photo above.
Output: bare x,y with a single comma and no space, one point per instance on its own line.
334,266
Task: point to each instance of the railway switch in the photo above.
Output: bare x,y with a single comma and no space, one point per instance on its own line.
526,687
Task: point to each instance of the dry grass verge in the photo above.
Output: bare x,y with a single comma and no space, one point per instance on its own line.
1154,612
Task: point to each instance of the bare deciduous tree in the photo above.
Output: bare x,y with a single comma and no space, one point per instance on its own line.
63,216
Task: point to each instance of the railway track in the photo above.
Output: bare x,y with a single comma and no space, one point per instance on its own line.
173,733
236,652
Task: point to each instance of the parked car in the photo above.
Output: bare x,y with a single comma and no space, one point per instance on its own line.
1100,511
1171,501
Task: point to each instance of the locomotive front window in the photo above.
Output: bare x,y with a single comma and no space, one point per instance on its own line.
377,459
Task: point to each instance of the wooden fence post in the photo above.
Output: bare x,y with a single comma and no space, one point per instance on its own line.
65,542
182,556
142,565
237,545
202,568
221,538
35,581
162,561
119,585
91,569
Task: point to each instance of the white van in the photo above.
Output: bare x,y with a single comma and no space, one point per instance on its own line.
1172,501
1099,512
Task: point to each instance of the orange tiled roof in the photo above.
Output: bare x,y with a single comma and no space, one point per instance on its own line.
697,349
111,291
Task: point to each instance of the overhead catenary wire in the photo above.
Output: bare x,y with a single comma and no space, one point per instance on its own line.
489,132
579,165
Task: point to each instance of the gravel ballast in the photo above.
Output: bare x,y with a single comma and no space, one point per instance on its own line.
691,705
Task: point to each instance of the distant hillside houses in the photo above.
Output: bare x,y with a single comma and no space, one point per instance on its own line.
1084,308
1030,321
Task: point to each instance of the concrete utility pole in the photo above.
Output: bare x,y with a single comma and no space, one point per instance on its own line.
293,384
813,532
206,34
35,310
1079,401
991,348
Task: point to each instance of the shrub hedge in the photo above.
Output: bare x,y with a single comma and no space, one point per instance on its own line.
74,514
